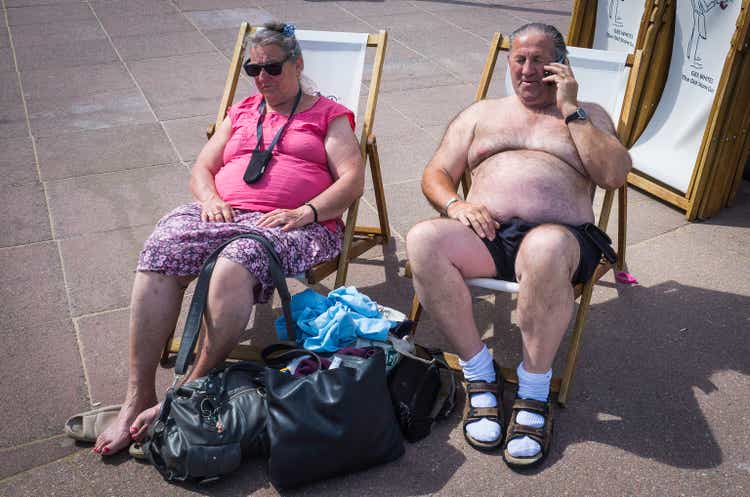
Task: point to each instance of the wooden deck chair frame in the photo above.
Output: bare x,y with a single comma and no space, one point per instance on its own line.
720,160
561,385
357,239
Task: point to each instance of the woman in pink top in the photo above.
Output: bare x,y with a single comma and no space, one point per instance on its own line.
315,172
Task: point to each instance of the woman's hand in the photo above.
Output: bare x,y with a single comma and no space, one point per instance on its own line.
288,219
216,210
474,216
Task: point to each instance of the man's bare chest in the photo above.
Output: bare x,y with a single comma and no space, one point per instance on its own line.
547,134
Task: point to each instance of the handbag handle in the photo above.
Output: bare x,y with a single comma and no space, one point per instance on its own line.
200,296
279,354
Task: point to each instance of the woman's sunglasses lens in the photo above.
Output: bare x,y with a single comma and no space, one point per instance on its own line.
253,70
274,69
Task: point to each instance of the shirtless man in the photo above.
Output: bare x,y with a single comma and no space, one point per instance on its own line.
534,159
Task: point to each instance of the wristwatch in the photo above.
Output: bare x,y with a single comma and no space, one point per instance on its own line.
578,115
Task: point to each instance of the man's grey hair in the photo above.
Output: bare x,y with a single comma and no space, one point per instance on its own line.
551,32
279,34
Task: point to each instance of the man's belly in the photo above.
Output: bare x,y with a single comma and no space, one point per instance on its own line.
536,186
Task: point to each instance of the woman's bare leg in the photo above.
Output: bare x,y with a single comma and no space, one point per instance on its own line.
154,309
230,302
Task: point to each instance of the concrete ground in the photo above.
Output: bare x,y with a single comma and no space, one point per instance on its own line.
103,106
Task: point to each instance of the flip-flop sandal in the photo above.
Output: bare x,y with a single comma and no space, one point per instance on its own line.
472,414
543,435
87,426
136,451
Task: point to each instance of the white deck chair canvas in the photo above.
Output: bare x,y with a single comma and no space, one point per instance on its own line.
676,156
614,25
334,67
600,73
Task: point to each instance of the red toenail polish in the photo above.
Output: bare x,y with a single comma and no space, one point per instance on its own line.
133,429
106,449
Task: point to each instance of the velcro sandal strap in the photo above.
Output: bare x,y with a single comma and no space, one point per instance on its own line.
482,412
531,405
536,433
473,387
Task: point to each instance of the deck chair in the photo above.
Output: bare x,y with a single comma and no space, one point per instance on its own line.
713,141
593,70
692,152
324,50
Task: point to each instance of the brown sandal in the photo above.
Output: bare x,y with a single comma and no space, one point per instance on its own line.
472,414
543,435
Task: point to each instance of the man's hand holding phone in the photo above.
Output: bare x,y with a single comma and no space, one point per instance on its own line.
559,73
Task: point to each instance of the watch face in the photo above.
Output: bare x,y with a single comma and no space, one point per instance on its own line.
581,114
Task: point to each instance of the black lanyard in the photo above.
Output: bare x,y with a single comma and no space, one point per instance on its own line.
262,112
260,158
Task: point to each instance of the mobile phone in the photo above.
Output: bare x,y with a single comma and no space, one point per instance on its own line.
561,60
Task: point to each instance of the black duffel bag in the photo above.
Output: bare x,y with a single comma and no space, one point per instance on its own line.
330,422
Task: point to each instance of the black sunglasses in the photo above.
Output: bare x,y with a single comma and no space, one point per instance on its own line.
272,68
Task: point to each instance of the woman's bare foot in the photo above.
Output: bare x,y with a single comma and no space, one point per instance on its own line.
118,435
143,421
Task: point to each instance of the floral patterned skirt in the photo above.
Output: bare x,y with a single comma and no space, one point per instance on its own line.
181,242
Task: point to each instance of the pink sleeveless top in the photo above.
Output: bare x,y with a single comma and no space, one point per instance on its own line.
298,170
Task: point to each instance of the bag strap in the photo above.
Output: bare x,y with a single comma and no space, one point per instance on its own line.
200,296
279,355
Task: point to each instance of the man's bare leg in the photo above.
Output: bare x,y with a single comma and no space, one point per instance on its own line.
230,302
442,253
546,261
155,306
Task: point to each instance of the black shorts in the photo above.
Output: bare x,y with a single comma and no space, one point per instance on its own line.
592,241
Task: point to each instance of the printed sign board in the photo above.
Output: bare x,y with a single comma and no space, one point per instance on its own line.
668,148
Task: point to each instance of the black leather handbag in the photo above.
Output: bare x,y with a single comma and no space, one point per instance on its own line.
423,390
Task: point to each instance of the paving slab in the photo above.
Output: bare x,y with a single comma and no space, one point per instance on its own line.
17,162
33,292
38,453
99,268
227,18
51,34
27,220
36,404
116,200
23,3
130,24
189,135
188,5
104,347
152,46
41,14
6,60
74,54
407,205
193,84
418,105
109,8
103,150
44,84
106,109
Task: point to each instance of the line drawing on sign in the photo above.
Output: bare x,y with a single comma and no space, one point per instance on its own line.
700,9
613,11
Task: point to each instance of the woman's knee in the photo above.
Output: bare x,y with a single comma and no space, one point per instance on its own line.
228,272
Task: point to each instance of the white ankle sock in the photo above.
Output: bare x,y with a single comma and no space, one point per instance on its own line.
481,368
534,386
